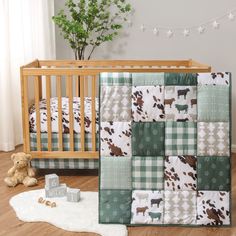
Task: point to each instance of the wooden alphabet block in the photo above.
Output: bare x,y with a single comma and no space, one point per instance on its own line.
73,195
51,181
59,191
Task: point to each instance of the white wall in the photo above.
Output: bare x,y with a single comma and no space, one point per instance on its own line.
216,47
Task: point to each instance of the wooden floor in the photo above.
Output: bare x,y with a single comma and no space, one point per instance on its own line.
88,181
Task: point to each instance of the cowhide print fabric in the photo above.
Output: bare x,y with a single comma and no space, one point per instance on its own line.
213,139
148,103
115,138
213,208
65,115
180,207
115,103
180,173
220,78
181,103
147,207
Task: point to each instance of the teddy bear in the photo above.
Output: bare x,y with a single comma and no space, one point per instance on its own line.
21,172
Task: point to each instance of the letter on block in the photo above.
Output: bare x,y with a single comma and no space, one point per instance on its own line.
73,195
51,181
59,191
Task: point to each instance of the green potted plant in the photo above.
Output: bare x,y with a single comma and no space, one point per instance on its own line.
90,23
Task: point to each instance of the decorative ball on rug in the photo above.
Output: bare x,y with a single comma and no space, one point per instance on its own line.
21,172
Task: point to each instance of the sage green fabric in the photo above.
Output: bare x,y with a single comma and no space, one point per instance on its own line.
147,173
121,78
139,79
213,103
180,79
148,138
213,173
180,138
115,172
115,206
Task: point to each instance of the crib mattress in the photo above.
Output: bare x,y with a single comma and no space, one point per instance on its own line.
165,150
65,115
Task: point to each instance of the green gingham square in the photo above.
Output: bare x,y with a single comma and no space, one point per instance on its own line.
147,173
122,78
180,138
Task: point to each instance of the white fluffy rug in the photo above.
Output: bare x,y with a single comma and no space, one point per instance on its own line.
79,217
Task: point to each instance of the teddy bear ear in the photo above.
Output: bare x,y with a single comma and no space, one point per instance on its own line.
13,156
28,156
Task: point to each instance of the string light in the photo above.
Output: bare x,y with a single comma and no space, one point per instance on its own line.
231,16
201,28
216,25
186,32
155,31
169,33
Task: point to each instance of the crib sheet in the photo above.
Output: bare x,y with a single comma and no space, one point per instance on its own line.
165,149
65,115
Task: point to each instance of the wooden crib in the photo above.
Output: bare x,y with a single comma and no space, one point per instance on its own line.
76,79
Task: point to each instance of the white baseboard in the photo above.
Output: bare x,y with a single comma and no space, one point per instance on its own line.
233,148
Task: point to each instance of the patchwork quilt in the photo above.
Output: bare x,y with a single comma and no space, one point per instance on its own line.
165,148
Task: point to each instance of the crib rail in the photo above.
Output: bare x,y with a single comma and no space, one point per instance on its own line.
80,80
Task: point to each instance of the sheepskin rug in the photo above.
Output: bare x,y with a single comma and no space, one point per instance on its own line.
81,216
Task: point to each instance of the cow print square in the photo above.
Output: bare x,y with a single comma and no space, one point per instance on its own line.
180,173
213,208
115,138
147,207
148,103
181,103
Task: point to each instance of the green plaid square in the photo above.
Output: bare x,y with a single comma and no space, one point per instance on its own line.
181,138
147,173
121,78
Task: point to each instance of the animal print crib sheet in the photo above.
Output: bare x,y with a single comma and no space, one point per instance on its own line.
165,148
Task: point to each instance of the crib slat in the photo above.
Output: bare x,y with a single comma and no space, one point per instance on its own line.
49,123
67,86
59,113
82,112
93,113
26,114
71,113
37,108
86,87
77,86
